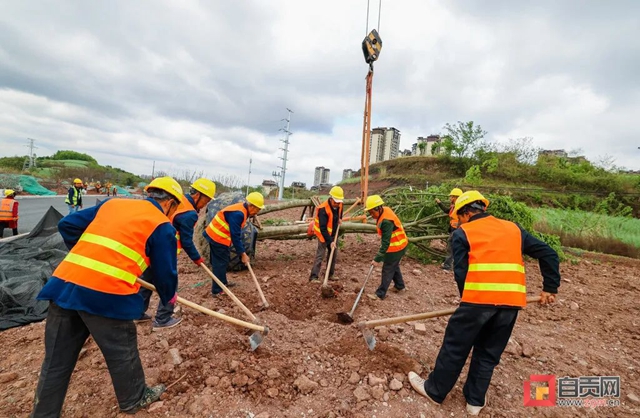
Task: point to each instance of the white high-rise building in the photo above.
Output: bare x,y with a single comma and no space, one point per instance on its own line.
384,145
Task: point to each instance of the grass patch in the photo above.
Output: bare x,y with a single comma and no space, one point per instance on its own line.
591,231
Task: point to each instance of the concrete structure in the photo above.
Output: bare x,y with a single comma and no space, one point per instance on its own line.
321,175
425,146
560,153
347,173
299,185
384,144
268,186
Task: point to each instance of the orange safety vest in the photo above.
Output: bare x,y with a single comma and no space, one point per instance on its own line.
316,220
111,253
398,238
218,229
454,221
496,269
185,206
6,210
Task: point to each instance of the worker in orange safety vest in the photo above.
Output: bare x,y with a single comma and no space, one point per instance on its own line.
9,212
393,246
94,291
325,226
490,274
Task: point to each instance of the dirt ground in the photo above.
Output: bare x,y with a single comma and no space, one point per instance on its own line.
309,365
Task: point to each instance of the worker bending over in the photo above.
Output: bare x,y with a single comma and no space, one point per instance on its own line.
325,226
393,246
489,272
94,292
226,228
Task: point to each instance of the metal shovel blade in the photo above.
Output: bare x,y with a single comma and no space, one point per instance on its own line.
369,338
345,318
327,292
255,340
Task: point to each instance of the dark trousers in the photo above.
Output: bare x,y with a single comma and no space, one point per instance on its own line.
317,262
487,331
220,255
3,226
390,272
163,313
65,333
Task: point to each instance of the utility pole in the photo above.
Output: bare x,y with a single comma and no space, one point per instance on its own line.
249,179
31,146
284,154
153,169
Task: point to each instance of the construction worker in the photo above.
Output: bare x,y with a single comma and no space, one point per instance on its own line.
115,191
453,224
94,292
9,213
328,217
226,228
393,246
184,220
489,272
74,197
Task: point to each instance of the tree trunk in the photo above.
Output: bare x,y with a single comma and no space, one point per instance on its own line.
296,204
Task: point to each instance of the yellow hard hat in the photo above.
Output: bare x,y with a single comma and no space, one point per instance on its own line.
9,192
337,194
468,198
167,184
76,181
373,202
455,192
205,186
256,199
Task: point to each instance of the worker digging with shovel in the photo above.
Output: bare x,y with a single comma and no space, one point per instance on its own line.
393,246
325,227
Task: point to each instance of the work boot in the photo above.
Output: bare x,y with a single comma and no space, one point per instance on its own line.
417,383
151,395
143,318
314,279
333,278
475,410
373,296
403,290
446,267
231,284
216,295
172,322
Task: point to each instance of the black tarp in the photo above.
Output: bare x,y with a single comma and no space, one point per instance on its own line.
26,263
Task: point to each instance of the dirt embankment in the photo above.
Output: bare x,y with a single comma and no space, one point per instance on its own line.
311,366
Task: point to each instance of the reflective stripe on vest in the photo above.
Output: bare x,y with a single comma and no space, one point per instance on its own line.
111,253
496,274
453,221
398,238
316,220
6,210
218,229
185,206
76,192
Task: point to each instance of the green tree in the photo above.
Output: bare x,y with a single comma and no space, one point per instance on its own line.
422,146
14,163
463,139
73,155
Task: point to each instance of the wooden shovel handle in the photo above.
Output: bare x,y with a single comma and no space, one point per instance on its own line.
326,273
255,280
207,311
229,293
416,317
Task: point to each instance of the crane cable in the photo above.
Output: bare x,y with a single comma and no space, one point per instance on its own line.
379,14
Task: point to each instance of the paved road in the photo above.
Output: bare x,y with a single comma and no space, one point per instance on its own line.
33,208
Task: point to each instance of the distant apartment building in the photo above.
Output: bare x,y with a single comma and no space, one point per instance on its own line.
560,153
321,175
268,186
384,144
347,173
405,153
425,146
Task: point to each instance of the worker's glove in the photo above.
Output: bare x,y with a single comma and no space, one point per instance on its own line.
174,299
199,261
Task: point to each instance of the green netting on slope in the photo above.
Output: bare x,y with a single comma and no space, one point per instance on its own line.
30,185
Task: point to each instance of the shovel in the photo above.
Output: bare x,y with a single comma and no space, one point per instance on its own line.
265,304
228,292
370,338
347,318
254,340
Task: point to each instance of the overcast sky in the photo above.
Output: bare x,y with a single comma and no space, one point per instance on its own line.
205,85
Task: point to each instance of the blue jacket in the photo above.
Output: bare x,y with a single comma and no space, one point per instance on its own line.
73,190
184,223
234,219
161,249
